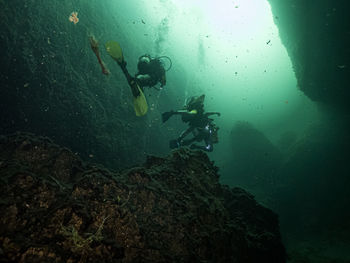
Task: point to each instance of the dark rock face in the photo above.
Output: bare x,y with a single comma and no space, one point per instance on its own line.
310,186
313,197
56,209
313,191
255,159
51,83
317,37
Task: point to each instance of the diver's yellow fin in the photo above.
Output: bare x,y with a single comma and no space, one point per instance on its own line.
140,104
114,50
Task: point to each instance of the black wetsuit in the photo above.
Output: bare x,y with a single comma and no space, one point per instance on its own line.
202,129
200,134
149,74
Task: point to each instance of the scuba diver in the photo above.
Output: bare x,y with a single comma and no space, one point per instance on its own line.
151,71
114,50
201,126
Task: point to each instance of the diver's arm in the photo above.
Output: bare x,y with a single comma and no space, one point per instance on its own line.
212,113
180,112
168,114
183,112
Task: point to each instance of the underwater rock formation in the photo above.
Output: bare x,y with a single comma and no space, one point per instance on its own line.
313,193
51,83
255,158
316,35
313,199
55,208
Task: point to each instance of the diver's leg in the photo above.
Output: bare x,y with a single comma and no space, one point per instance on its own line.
132,82
185,133
176,143
188,141
207,148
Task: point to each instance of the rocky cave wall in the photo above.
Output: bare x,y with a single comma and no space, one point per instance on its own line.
305,180
51,83
316,35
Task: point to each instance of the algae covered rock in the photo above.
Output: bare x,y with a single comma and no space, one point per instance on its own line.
55,208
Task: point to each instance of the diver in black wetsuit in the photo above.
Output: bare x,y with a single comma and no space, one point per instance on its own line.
201,126
150,72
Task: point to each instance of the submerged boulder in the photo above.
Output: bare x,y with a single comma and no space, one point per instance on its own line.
255,159
55,208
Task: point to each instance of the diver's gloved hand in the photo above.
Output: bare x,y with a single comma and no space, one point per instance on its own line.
167,115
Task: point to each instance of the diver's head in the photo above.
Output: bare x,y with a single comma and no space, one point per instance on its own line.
143,63
145,59
194,102
188,101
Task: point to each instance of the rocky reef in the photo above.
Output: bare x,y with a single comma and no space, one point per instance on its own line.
55,208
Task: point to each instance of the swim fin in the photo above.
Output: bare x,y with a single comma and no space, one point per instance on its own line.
115,51
140,104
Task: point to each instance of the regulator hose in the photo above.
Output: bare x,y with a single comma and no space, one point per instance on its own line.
171,63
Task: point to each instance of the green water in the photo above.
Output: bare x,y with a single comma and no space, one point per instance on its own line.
286,150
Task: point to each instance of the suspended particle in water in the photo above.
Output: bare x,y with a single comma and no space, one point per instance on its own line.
74,17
